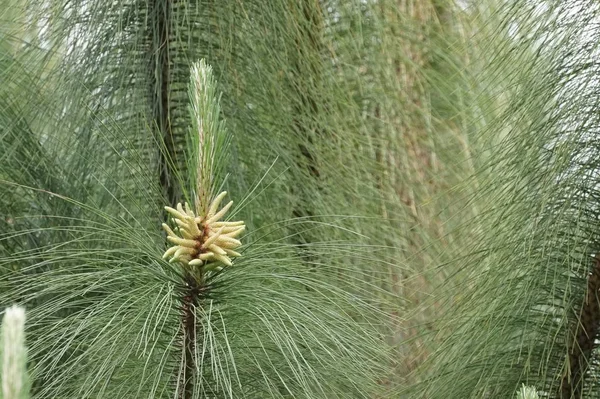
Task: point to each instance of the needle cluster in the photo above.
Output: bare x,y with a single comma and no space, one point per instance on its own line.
203,239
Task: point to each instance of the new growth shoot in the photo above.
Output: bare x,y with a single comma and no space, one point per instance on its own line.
527,392
13,375
202,239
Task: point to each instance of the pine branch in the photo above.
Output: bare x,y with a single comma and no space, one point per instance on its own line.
203,242
109,318
160,10
585,334
190,301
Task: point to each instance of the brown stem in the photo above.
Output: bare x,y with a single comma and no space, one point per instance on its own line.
584,337
188,306
162,107
160,10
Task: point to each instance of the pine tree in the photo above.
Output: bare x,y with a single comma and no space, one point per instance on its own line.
99,134
525,307
409,209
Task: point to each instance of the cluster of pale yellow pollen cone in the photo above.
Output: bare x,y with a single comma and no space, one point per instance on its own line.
203,239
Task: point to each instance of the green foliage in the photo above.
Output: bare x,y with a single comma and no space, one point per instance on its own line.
209,140
418,180
93,147
526,311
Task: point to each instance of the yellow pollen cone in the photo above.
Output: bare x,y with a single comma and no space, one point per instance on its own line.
205,232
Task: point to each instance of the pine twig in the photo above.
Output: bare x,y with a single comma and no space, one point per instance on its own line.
584,338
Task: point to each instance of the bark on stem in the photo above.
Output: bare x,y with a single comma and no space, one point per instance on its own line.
188,307
584,335
160,10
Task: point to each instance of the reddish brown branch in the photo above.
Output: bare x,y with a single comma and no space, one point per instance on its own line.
584,337
188,307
